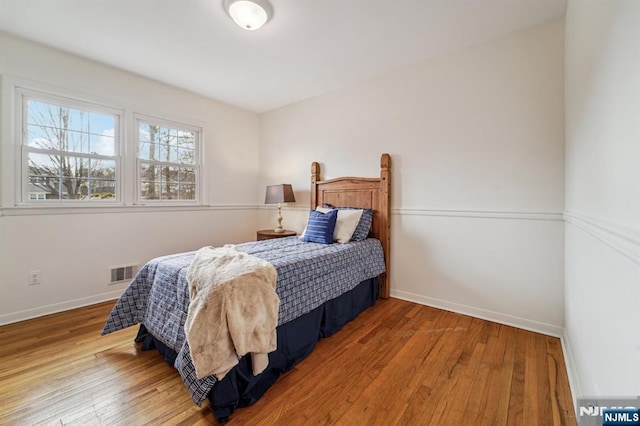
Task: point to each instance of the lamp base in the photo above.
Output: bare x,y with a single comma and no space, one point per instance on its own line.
279,229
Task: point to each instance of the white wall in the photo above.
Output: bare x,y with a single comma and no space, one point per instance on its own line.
602,317
476,140
73,250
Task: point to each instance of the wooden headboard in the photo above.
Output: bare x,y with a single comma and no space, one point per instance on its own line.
366,193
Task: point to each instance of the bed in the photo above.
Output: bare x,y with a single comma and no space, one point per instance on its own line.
321,287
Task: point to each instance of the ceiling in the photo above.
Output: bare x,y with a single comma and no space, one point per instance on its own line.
309,47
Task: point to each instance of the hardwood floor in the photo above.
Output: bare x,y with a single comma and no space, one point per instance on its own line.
397,363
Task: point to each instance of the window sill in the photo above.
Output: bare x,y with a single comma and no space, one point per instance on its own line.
119,208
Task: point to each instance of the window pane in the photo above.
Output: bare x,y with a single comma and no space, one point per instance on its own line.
173,154
39,113
143,150
186,156
102,124
186,139
187,192
77,173
162,152
167,136
150,190
165,152
47,115
167,146
149,172
79,167
102,189
74,138
170,174
102,144
73,119
73,141
146,151
42,137
73,167
44,165
44,188
187,175
144,132
105,169
52,126
74,189
169,191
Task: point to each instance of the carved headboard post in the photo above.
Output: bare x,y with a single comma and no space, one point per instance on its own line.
315,177
385,220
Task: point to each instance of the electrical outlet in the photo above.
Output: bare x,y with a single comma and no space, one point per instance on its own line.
34,278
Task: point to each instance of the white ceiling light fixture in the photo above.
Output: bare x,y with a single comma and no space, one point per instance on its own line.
249,14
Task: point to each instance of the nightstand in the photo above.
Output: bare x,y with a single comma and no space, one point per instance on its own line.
268,234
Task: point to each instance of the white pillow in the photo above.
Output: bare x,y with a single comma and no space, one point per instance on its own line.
345,224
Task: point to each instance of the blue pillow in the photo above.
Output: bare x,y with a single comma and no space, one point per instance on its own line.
320,227
362,230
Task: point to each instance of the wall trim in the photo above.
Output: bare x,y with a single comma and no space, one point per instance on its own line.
624,239
284,207
58,307
518,322
476,214
572,372
480,214
47,210
594,226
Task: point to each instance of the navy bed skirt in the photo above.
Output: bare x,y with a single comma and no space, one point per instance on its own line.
296,340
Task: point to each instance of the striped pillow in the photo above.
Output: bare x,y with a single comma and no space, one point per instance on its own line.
320,227
362,230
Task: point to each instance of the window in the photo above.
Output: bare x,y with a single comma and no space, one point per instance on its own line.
69,151
74,150
168,161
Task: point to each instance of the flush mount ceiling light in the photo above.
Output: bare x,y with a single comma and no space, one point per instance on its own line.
249,14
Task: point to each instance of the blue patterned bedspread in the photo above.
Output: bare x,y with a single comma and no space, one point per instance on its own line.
309,274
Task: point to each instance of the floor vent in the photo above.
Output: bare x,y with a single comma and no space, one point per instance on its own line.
121,274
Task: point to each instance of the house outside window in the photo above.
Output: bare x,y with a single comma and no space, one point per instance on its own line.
69,151
74,150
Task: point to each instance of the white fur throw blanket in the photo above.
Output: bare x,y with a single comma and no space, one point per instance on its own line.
233,309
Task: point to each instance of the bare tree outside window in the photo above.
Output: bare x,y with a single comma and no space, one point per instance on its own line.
70,153
168,162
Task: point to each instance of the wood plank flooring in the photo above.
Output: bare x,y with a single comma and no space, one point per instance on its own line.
398,363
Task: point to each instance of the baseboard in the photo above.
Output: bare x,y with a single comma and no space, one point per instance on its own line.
524,323
574,382
58,307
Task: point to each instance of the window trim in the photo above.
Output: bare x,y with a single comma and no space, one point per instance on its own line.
22,149
11,152
142,118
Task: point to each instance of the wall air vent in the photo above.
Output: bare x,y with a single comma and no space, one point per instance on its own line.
120,274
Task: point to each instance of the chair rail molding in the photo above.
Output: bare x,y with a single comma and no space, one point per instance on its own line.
480,214
622,238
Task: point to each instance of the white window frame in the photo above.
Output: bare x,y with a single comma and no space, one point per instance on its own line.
198,166
22,195
14,195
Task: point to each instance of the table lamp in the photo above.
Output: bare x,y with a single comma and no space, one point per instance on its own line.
277,194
